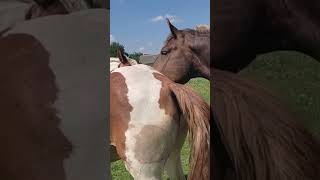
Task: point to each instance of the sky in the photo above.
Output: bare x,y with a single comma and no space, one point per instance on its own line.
140,25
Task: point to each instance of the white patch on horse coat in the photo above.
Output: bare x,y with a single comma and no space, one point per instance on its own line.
114,63
144,97
77,47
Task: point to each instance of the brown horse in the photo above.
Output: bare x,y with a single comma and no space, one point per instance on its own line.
255,137
149,118
48,76
244,29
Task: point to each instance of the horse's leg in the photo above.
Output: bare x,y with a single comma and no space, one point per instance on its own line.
173,165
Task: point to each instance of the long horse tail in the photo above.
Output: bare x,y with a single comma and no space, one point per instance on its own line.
262,138
197,113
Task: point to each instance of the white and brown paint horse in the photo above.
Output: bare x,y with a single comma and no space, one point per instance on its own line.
53,98
149,119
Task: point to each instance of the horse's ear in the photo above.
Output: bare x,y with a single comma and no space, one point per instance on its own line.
122,57
172,28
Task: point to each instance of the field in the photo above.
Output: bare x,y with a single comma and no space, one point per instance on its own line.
293,76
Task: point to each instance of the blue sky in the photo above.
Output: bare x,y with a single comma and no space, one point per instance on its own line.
140,25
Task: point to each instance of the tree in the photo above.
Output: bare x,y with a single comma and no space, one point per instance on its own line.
135,56
114,46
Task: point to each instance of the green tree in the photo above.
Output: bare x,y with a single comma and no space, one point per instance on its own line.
135,56
114,46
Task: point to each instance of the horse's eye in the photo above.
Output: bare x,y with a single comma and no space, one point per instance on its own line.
164,52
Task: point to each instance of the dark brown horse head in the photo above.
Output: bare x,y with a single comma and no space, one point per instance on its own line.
185,55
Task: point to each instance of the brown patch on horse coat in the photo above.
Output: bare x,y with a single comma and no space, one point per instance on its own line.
166,101
119,117
151,136
33,147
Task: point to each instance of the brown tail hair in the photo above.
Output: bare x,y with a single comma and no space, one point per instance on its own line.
197,113
262,138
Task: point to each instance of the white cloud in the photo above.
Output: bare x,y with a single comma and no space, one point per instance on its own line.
149,44
158,18
141,49
112,39
172,18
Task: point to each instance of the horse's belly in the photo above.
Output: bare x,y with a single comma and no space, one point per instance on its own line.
154,143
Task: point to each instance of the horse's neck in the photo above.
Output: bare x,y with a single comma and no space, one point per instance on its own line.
204,64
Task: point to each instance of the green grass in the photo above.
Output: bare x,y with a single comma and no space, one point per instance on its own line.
295,78
201,86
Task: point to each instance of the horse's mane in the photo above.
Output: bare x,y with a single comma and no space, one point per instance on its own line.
74,5
203,28
263,140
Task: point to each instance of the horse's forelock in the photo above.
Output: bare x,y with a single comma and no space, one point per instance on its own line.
193,37
203,28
